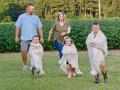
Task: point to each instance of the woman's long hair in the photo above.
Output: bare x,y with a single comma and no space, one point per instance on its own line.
57,19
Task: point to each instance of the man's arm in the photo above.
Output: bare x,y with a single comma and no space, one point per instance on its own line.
17,34
40,31
50,33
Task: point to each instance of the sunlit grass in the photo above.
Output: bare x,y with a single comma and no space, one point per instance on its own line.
13,78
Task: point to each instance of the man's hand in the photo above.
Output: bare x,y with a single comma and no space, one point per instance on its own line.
17,39
41,35
17,34
41,40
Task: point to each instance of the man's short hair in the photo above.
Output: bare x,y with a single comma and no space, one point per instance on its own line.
30,4
35,36
95,23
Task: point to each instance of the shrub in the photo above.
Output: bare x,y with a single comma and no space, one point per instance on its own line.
80,31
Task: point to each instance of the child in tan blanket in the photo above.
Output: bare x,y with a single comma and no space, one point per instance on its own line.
36,53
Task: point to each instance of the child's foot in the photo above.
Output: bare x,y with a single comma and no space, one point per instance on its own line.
74,74
30,67
97,81
33,70
41,73
106,81
79,73
69,76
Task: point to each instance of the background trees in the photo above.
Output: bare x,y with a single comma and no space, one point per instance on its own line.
47,9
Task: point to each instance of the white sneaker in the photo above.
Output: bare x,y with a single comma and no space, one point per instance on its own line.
41,73
59,62
79,73
69,76
30,67
74,74
25,67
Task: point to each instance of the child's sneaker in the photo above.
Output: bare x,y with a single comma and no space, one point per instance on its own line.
30,67
33,70
74,74
106,81
41,73
69,76
79,73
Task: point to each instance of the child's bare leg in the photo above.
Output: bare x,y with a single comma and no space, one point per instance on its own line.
103,68
69,71
104,72
97,78
73,72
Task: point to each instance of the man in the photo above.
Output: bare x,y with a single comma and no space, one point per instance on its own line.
28,24
97,49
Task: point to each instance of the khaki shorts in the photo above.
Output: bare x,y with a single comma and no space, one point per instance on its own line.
25,45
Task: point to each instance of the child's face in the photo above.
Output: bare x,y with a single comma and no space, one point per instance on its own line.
35,40
68,42
95,28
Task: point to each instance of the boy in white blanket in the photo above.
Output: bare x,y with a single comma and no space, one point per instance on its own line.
36,53
69,61
97,49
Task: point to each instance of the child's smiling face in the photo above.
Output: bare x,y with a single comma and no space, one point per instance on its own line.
61,17
68,42
35,40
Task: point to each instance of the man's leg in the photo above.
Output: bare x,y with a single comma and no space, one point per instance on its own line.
24,50
24,57
104,72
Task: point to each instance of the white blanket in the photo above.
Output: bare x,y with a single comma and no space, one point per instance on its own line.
97,49
36,53
70,55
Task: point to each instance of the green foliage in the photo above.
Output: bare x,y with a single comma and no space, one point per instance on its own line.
7,19
47,9
80,31
7,38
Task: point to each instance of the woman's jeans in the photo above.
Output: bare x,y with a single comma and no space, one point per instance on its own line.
59,47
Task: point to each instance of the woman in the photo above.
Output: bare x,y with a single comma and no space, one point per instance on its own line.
60,29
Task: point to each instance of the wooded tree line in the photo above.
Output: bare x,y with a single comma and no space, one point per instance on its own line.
47,9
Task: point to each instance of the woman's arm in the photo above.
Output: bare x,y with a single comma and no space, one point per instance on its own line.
51,31
69,30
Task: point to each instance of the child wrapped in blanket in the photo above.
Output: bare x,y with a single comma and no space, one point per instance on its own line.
36,53
69,61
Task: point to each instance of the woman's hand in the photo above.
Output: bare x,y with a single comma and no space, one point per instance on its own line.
41,40
48,39
63,33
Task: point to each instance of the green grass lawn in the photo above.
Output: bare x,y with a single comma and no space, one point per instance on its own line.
13,78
